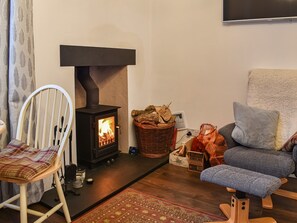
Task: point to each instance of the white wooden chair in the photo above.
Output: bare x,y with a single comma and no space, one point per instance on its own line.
40,115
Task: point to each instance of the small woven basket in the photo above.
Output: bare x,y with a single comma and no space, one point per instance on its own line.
154,141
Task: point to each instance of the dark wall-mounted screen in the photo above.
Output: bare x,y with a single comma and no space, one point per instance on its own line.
237,10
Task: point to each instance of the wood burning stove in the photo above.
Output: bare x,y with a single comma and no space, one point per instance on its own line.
96,125
97,134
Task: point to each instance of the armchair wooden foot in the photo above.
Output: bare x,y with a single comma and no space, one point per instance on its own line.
287,194
230,190
238,212
267,202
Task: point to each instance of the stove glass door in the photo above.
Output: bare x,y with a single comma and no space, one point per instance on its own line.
106,131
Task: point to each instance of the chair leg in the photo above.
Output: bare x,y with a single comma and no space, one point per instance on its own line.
225,208
230,190
267,202
285,193
62,198
23,203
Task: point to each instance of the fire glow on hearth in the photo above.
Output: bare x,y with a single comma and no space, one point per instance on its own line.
106,131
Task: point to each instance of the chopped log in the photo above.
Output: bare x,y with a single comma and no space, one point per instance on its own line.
135,113
150,117
165,113
154,115
158,108
172,119
161,120
150,108
182,150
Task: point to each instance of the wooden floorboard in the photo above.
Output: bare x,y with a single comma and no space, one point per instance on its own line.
178,185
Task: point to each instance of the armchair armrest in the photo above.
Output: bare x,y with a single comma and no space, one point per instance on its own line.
294,153
226,132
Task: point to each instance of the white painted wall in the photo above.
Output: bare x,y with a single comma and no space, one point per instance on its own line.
185,55
102,23
201,65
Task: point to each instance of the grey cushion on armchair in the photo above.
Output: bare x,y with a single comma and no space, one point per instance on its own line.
271,162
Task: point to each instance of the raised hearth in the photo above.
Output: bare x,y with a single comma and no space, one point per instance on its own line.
108,180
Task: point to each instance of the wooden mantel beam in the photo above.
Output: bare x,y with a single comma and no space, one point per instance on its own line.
80,56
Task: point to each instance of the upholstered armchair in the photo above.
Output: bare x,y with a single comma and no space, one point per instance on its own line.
263,137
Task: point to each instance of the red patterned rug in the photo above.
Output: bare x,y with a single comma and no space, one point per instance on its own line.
131,206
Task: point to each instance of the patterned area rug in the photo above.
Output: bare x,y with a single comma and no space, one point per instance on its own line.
131,206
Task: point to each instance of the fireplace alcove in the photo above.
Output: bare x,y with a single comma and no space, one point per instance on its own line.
100,91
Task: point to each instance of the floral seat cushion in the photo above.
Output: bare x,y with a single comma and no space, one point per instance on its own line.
22,162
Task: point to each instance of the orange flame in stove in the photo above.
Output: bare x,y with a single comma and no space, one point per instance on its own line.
106,131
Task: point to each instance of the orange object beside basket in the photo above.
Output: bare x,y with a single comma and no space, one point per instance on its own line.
154,141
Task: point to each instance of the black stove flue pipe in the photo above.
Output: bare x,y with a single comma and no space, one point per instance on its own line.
91,88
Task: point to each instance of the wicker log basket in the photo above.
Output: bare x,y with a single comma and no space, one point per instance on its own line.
154,141
154,129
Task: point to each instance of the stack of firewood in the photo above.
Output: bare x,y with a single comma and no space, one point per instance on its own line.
154,115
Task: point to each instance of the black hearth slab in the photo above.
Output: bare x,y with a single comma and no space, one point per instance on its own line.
108,180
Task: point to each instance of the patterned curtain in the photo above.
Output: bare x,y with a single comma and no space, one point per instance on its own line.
17,79
4,14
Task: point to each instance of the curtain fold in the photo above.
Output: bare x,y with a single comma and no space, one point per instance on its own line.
17,78
4,27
